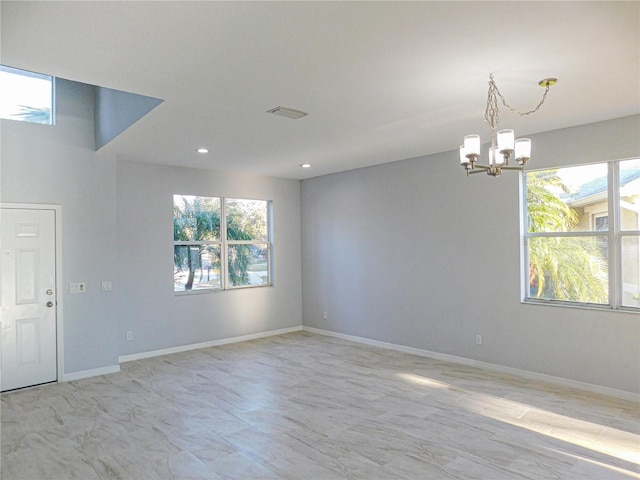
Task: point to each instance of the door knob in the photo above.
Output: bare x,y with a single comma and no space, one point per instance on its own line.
49,304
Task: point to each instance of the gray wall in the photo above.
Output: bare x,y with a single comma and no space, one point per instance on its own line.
117,225
147,305
58,165
417,254
115,111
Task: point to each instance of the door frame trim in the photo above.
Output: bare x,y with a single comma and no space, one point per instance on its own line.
57,209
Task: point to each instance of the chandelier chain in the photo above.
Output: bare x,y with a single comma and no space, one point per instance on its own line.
491,114
492,103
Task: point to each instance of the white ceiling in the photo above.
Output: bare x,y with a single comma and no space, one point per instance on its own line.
381,81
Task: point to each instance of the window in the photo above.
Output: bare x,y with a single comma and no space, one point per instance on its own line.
582,234
247,242
26,96
208,229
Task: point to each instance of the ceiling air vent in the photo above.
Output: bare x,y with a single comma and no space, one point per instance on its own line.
288,112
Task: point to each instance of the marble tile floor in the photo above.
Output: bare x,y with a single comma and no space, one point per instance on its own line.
305,406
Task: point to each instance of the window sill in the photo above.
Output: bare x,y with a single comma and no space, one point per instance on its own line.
202,291
217,290
580,306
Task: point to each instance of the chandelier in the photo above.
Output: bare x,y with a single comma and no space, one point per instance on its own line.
504,146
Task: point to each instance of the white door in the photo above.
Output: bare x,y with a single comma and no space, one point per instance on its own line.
28,353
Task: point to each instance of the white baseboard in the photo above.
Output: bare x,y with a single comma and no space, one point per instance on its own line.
612,392
212,343
69,377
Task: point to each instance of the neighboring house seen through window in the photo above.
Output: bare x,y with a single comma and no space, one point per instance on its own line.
209,229
582,234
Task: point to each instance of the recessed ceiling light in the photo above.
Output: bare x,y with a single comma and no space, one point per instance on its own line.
288,112
305,165
202,150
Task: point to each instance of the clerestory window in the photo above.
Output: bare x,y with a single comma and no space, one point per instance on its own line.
26,96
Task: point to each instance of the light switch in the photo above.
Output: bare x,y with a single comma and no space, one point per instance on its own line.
106,285
77,287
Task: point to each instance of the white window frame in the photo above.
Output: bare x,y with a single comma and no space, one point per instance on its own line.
226,243
223,244
614,237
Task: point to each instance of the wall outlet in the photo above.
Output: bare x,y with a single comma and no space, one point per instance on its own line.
106,285
325,315
478,339
77,287
129,335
